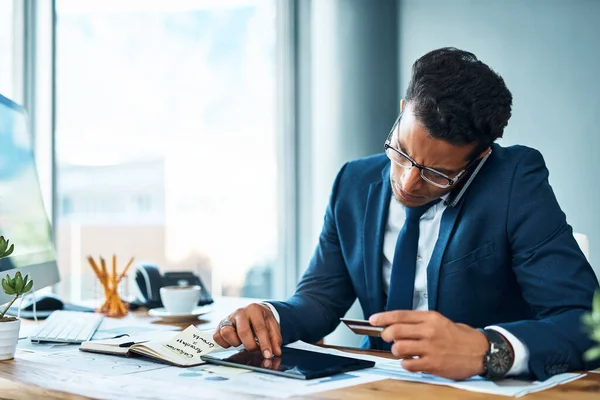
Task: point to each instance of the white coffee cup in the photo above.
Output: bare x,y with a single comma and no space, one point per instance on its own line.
180,299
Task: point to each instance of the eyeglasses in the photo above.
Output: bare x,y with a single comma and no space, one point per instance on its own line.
429,175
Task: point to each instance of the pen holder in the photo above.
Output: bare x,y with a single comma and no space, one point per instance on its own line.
113,305
122,290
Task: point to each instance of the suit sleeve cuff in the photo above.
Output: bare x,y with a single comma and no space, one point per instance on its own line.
521,353
273,310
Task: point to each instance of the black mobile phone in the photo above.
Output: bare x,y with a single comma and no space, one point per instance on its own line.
458,193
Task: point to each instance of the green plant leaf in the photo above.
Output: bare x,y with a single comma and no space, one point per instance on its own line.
7,288
28,287
3,245
591,321
9,252
10,282
592,354
587,319
18,283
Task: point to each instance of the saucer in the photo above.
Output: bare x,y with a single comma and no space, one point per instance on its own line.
161,312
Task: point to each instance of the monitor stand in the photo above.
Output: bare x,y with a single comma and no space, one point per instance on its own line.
45,305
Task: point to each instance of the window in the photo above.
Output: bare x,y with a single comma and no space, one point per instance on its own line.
165,139
6,48
144,203
66,206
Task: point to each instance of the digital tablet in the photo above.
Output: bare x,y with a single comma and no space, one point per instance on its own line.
293,363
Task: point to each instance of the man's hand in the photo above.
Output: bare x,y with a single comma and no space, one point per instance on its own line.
442,347
248,326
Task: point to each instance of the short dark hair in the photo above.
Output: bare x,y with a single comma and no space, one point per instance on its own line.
458,98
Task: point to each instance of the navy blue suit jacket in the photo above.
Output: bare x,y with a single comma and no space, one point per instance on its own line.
505,256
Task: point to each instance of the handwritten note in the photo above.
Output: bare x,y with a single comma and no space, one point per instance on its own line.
192,343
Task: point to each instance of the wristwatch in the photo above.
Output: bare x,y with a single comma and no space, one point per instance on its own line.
499,358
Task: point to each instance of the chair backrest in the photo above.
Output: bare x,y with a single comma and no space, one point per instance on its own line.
584,244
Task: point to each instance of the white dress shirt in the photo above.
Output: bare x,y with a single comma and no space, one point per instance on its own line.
429,227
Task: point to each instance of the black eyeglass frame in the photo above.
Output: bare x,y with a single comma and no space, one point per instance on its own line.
451,181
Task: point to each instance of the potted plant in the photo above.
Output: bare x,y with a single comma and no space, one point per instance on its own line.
592,323
16,286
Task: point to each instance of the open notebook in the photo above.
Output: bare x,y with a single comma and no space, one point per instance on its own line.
183,349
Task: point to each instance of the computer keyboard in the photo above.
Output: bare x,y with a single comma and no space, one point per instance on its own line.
68,327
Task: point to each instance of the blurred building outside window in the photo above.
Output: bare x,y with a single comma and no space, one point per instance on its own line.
166,141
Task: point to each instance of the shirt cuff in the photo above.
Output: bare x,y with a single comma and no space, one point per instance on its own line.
273,310
521,353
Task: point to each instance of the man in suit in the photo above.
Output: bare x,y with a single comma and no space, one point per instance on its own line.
454,244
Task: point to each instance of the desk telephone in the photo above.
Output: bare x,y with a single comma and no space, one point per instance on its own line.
149,281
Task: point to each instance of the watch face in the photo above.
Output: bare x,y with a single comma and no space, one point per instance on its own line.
499,361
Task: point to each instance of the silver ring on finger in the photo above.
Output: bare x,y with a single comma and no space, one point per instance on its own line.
225,323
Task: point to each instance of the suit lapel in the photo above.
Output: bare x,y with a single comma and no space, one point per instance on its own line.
378,203
433,269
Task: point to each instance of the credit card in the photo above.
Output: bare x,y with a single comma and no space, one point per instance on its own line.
362,327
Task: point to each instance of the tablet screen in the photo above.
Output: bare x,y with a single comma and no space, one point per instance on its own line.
293,363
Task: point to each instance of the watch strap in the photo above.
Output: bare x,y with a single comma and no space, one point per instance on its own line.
497,347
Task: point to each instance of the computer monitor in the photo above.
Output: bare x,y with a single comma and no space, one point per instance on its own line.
23,218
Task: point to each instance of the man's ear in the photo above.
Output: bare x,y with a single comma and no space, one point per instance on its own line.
402,103
483,153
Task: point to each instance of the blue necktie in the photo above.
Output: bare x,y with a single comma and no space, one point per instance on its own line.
402,281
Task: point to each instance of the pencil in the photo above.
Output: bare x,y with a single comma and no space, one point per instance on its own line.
96,269
125,269
104,272
94,266
114,271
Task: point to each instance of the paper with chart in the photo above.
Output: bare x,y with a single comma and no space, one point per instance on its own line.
102,364
25,345
255,383
504,387
112,387
392,369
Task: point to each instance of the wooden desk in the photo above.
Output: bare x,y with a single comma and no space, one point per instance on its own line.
23,379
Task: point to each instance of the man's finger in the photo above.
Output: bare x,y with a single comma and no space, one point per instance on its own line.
416,365
261,332
275,335
403,331
408,348
229,335
398,317
219,339
245,333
